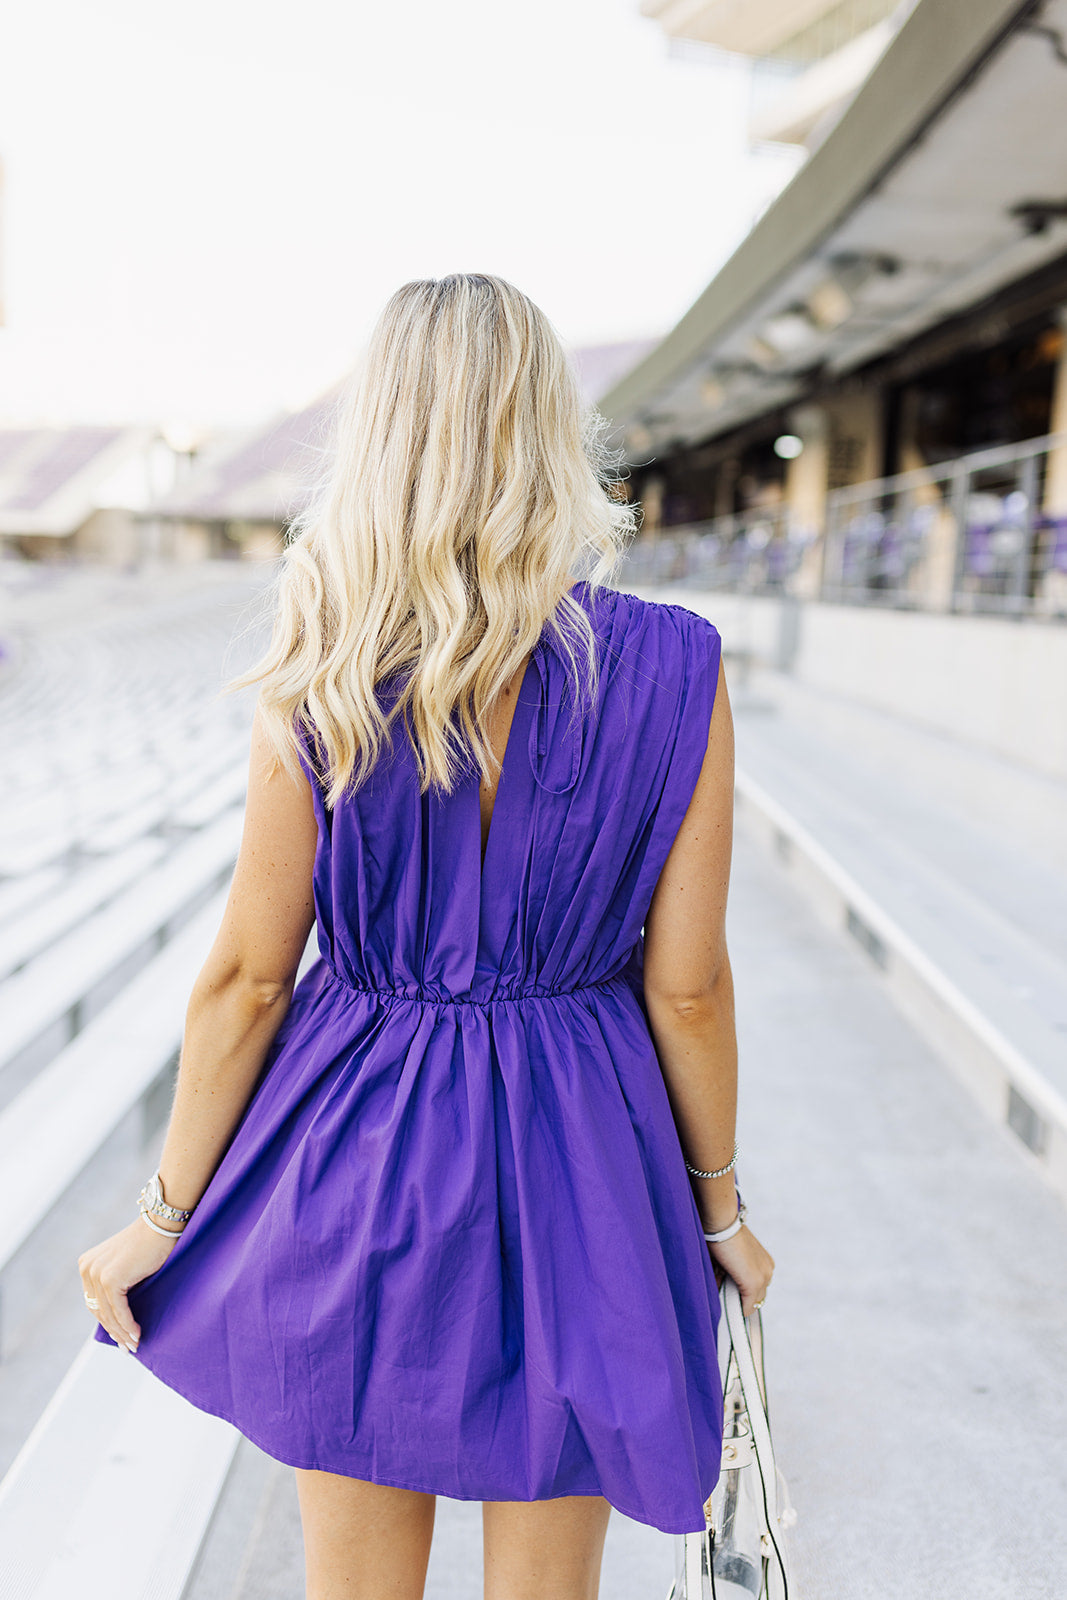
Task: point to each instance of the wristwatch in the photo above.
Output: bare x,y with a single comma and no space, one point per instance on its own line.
151,1199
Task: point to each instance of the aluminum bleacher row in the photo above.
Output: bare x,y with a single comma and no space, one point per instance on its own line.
86,1470
52,998
120,819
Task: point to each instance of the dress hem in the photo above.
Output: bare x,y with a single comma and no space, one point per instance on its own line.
393,1483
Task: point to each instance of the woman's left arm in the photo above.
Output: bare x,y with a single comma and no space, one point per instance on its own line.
237,1005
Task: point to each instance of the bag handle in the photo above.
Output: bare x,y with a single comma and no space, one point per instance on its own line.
756,1406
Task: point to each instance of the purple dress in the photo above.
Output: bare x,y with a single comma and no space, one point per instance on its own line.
452,1245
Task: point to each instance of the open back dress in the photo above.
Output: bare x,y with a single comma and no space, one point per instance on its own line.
452,1244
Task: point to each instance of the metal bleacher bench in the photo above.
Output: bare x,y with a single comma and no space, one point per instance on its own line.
18,893
52,997
65,1118
112,1493
84,1489
55,914
36,912
84,1485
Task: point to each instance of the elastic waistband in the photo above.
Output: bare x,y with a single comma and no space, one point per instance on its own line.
428,997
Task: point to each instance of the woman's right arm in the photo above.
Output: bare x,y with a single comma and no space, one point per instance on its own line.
690,998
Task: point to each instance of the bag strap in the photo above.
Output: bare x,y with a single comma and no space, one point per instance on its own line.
755,1405
697,1571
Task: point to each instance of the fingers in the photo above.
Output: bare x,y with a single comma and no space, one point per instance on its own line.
751,1295
749,1301
748,1264
112,1308
111,1314
129,1333
759,1289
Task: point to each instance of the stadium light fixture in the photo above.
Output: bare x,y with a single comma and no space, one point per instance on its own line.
788,446
790,330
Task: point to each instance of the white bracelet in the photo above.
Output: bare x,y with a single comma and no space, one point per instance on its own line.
735,1226
168,1233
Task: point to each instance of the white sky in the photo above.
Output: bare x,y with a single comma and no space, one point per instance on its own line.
208,203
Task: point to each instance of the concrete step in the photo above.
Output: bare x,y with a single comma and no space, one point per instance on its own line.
976,959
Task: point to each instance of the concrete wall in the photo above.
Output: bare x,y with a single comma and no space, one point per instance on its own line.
996,683
259,541
108,535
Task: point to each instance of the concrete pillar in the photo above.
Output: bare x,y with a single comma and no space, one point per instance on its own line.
725,486
652,507
933,578
1052,587
909,455
1056,474
856,423
805,494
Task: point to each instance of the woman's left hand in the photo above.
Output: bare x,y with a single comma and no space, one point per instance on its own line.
110,1269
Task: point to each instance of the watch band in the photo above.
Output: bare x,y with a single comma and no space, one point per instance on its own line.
151,1198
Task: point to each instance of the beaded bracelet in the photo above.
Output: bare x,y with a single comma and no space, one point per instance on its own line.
720,1172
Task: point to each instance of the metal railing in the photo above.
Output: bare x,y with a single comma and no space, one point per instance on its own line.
967,535
755,552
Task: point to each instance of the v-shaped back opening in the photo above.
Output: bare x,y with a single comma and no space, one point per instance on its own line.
484,850
578,589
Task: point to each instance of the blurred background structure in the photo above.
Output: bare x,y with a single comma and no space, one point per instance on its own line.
866,403
850,452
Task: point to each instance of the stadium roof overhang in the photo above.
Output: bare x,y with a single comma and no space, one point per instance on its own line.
943,181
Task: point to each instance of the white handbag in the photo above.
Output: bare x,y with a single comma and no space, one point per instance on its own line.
741,1553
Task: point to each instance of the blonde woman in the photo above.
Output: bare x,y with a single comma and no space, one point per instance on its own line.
433,1220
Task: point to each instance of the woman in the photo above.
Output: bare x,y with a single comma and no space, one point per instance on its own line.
423,1224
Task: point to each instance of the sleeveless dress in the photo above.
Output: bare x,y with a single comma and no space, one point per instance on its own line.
452,1245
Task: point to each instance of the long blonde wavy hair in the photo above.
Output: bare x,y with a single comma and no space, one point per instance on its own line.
467,485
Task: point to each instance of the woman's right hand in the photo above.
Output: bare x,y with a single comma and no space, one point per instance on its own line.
745,1260
108,1270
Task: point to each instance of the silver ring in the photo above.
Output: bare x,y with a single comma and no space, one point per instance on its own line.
91,1303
